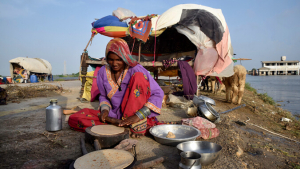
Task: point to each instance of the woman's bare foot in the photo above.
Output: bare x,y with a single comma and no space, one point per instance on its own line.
135,135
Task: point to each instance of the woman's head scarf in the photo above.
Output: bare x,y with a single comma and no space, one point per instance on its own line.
120,48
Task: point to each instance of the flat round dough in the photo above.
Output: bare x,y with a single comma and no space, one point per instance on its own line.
105,159
171,135
107,129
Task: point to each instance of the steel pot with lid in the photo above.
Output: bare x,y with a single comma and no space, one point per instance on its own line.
208,111
200,99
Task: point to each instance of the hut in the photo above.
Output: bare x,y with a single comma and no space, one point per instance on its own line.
41,68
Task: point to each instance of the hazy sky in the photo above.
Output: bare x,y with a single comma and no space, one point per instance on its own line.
58,31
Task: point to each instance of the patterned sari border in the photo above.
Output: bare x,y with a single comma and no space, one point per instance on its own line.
139,127
114,86
152,107
106,103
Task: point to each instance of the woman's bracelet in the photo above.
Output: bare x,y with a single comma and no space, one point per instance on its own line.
104,107
143,113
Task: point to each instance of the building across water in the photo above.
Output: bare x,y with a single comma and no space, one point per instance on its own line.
282,67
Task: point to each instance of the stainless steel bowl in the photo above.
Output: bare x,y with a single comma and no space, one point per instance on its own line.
183,133
200,99
209,151
208,111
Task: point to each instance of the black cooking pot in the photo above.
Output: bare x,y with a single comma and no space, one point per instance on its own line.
106,141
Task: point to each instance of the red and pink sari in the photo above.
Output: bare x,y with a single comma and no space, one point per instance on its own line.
138,89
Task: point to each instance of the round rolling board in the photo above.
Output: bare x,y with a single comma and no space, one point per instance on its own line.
108,158
105,140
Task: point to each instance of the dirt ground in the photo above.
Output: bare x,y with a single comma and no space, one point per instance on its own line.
26,143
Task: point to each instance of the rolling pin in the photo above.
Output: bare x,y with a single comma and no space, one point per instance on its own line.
150,163
112,120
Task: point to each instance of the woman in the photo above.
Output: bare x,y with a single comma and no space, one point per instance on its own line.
129,96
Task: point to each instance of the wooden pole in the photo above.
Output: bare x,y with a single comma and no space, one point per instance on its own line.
242,59
89,42
149,164
140,52
83,71
197,85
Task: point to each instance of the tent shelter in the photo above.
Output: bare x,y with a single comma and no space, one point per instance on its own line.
192,30
40,67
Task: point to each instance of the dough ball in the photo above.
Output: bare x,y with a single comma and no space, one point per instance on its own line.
171,135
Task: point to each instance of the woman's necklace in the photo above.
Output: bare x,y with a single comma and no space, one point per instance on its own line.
120,89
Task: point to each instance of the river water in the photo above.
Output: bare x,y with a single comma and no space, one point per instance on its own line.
285,90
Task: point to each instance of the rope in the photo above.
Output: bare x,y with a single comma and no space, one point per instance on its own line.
271,131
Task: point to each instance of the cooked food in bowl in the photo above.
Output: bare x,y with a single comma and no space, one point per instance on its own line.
182,133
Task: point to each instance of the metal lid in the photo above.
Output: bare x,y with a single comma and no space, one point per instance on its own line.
53,100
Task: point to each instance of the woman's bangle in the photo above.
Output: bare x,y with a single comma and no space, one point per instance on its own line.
104,107
143,113
139,115
146,111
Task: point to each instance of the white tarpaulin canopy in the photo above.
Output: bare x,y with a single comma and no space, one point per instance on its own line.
204,29
36,65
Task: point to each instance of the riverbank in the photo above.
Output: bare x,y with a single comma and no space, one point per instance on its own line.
23,140
283,89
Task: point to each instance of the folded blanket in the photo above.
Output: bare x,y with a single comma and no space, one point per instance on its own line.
208,129
198,122
209,133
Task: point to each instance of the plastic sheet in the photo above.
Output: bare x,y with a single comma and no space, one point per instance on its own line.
207,55
108,21
205,61
196,36
123,13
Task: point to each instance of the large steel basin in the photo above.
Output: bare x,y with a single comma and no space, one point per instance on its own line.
182,132
209,151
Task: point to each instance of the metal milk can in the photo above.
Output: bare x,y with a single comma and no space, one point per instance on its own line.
53,116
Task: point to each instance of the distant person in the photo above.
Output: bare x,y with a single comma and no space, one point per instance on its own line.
129,96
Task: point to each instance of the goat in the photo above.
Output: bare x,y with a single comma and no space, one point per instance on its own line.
235,84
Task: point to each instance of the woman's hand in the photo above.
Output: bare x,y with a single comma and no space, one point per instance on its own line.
130,120
103,115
